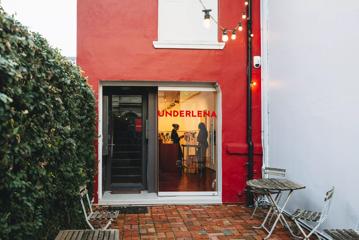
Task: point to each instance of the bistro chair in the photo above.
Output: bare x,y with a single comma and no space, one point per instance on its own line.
91,215
315,217
260,199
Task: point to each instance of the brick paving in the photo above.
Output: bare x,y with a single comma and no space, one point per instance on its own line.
194,222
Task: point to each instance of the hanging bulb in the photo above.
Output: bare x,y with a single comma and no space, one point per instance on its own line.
207,18
224,35
240,27
233,36
252,35
244,16
246,3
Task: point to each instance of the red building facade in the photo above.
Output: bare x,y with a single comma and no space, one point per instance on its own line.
115,44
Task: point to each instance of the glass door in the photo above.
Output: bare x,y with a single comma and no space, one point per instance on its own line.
124,141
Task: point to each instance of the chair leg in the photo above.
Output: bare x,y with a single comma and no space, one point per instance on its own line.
107,225
255,209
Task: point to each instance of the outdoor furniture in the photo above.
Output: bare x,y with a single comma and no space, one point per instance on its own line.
342,234
269,186
311,216
91,215
260,199
112,234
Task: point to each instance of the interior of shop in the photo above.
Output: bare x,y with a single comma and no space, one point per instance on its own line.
187,124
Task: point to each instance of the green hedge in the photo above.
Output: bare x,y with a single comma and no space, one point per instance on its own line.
47,130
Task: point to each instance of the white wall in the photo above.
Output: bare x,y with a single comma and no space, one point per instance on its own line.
310,72
54,19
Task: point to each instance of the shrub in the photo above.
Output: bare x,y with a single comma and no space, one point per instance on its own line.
47,129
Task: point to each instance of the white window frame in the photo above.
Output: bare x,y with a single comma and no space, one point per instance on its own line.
188,20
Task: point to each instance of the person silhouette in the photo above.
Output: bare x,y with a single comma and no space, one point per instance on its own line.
202,146
176,140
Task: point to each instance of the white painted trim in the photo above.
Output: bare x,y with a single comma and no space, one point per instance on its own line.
219,141
100,112
189,193
146,198
190,83
265,80
188,89
190,45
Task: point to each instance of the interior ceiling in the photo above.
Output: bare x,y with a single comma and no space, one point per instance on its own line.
169,99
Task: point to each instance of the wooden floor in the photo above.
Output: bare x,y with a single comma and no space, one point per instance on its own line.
171,181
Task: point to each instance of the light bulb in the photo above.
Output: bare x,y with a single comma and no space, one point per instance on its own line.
224,35
252,35
246,3
234,36
240,27
207,18
244,16
207,23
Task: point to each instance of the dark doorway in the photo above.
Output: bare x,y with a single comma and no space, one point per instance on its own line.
125,139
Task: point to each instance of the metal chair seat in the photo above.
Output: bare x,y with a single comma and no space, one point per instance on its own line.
342,234
307,215
100,215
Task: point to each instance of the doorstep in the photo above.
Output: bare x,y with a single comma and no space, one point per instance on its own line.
146,198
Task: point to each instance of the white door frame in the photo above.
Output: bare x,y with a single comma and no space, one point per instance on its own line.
178,86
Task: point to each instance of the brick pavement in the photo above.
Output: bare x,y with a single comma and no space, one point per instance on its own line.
194,222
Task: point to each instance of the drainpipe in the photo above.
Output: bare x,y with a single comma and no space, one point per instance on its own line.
249,102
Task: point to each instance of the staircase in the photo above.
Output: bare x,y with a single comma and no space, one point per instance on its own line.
126,168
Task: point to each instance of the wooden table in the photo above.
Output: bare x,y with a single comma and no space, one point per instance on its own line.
110,234
270,187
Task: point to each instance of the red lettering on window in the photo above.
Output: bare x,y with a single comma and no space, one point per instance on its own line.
168,113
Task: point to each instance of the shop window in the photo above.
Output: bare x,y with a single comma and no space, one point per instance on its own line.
180,25
187,122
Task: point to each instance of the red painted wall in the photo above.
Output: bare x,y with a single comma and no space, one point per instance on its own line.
115,43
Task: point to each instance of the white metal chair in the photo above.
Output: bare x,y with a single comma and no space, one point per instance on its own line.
91,215
315,217
260,199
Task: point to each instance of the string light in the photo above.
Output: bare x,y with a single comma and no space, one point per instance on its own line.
240,27
233,36
253,84
225,35
207,18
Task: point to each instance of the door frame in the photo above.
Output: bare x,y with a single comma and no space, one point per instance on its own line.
173,85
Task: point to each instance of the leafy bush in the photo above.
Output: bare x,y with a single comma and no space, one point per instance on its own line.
47,129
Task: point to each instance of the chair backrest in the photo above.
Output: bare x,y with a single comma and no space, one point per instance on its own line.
84,194
271,172
327,202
